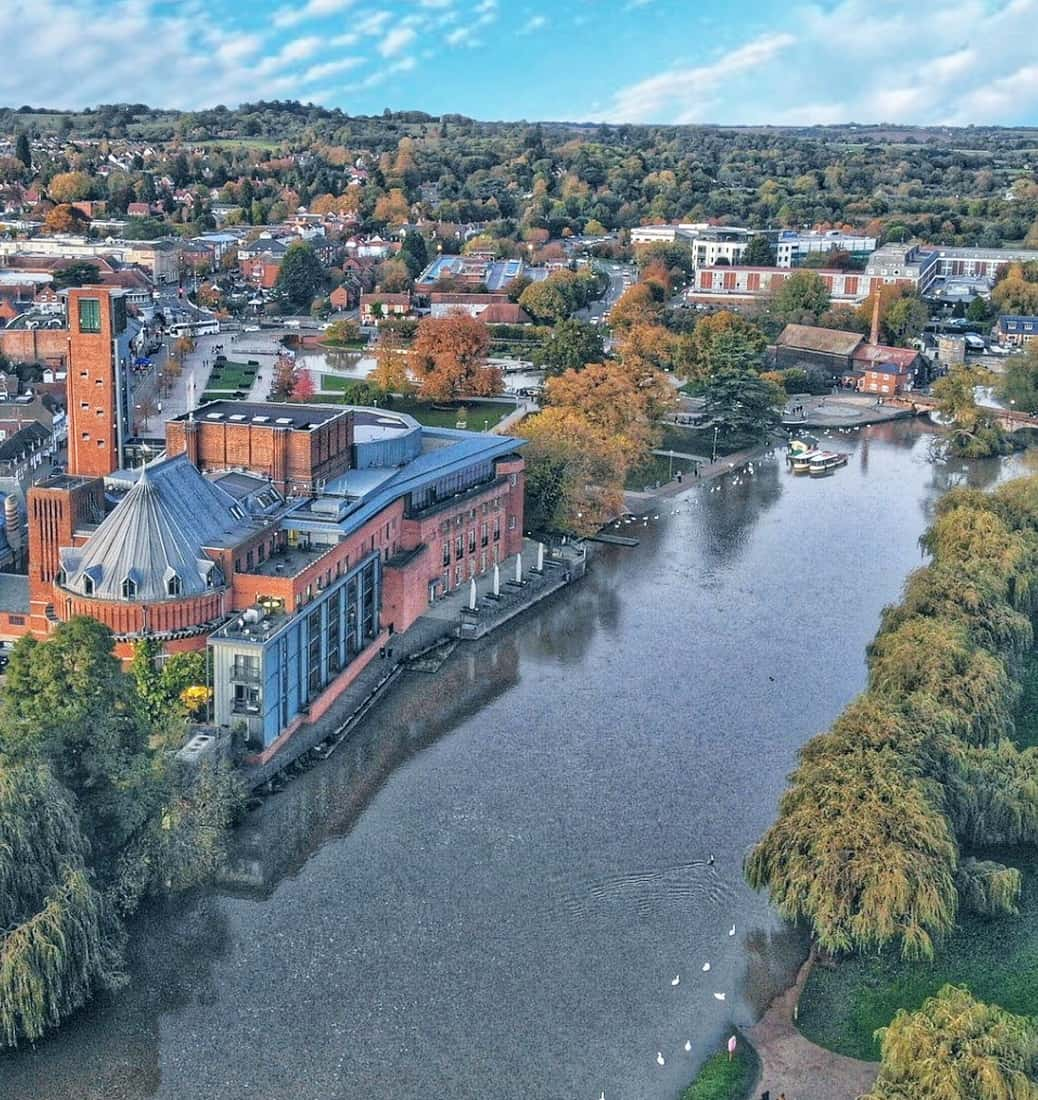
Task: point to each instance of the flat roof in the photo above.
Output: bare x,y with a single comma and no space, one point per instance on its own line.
289,562
265,414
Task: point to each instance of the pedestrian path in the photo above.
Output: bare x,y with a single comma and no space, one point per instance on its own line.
793,1065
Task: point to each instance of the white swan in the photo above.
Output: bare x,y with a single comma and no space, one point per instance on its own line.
706,967
719,996
688,1046
675,980
659,1059
731,931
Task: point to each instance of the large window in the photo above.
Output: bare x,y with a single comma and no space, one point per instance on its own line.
369,622
89,315
315,680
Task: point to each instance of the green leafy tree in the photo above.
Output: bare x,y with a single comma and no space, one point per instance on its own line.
22,151
742,344
741,403
978,311
1018,387
973,432
801,298
957,1048
759,252
68,703
77,273
300,276
546,302
570,345
59,940
905,319
414,253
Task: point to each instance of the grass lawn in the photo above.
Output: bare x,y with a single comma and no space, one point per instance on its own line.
720,1079
997,960
659,468
447,417
432,417
700,441
232,376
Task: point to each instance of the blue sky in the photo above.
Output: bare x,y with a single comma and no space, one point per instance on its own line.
757,61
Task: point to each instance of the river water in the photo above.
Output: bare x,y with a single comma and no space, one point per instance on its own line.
489,889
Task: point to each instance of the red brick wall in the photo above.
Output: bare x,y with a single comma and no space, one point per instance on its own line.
92,436
295,460
53,516
42,345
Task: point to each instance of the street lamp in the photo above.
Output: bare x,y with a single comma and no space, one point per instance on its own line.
713,456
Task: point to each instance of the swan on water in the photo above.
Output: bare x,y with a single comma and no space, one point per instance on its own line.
659,1059
719,996
731,931
706,967
676,979
688,1046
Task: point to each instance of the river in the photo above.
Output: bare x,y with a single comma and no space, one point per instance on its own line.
488,890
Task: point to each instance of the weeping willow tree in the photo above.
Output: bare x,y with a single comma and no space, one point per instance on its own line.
929,667
977,601
957,1048
859,848
992,795
59,940
866,845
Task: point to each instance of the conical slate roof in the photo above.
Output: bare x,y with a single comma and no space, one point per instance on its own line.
150,546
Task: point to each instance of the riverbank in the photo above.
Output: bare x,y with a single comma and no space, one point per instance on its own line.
840,411
523,584
727,1078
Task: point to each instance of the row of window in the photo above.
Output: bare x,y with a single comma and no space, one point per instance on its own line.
460,540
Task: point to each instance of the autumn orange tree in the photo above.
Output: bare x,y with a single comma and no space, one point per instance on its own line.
641,304
574,472
65,219
392,373
449,356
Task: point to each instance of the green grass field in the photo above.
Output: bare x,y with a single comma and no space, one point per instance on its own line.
997,960
231,376
493,412
720,1079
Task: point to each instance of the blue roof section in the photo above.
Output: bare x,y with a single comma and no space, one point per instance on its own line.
466,449
1010,320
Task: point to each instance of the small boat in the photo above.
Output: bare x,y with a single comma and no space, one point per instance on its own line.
824,462
801,460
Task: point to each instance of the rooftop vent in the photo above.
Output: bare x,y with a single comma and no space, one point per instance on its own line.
237,416
283,420
260,419
214,416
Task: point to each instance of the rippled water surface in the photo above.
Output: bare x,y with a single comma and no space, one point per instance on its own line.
488,891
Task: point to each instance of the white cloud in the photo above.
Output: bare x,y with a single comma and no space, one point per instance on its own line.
858,61
329,68
535,23
685,92
314,9
397,40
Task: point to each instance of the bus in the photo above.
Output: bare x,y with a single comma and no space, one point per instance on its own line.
195,328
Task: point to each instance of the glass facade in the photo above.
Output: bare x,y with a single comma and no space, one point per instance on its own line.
269,684
446,487
89,315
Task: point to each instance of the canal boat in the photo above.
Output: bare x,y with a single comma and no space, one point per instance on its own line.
824,462
801,460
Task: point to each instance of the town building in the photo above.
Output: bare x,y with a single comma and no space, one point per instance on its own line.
292,540
909,265
737,285
491,308
861,364
377,306
1015,331
98,383
792,247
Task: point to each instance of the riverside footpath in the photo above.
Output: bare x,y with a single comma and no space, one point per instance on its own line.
792,1065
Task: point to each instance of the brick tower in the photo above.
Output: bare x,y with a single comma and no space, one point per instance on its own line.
97,392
